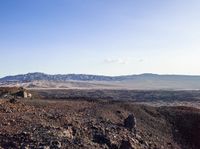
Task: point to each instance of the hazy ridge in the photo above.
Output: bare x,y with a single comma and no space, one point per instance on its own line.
142,81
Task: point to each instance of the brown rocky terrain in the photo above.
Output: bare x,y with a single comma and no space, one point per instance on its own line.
115,119
96,124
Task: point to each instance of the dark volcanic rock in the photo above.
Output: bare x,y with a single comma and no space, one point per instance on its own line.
126,145
101,139
13,100
55,144
130,122
84,124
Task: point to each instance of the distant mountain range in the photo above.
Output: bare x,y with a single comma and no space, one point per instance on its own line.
142,81
37,76
42,76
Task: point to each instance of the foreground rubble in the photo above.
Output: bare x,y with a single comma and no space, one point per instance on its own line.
48,124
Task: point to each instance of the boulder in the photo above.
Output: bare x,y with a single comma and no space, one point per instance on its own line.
130,122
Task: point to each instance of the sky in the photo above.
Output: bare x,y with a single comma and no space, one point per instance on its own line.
104,37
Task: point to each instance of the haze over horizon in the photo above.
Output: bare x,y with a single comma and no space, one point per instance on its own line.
123,75
105,37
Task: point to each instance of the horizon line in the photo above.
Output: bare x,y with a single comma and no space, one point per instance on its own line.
136,74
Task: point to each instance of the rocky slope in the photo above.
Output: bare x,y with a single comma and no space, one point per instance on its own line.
96,124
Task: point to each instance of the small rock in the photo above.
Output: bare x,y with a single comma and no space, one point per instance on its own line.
43,146
56,144
118,112
13,100
68,133
101,139
126,145
25,147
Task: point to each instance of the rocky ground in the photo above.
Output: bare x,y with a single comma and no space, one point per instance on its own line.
49,124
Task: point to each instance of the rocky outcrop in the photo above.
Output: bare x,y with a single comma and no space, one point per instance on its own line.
11,92
130,123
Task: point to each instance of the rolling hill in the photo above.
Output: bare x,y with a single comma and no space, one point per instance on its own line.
142,81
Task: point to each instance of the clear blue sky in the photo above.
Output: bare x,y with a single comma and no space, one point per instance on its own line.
110,37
